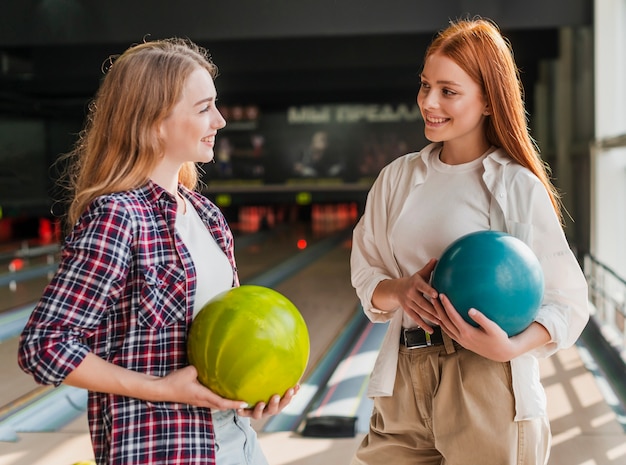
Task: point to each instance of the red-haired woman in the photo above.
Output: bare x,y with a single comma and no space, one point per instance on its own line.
464,395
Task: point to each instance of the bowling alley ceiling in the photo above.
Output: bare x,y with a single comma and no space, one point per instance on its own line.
269,52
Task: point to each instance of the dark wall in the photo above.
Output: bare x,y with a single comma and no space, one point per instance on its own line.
47,22
272,51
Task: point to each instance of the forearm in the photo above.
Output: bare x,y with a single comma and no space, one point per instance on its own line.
98,375
181,385
385,296
536,335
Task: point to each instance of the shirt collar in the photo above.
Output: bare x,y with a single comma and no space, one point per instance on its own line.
153,193
420,163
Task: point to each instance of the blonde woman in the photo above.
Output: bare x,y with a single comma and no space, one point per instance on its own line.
145,252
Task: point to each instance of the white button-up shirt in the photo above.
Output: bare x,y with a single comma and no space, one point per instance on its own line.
520,206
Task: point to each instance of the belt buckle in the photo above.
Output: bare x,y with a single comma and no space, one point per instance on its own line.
417,346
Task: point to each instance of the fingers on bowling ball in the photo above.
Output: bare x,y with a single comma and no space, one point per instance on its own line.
495,273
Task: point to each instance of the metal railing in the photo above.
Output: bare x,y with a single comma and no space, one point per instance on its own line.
607,293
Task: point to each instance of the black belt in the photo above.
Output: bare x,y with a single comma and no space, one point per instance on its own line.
416,338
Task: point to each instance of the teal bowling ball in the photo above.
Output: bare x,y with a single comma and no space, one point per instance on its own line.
494,273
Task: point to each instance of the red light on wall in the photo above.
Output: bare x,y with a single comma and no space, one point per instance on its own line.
301,244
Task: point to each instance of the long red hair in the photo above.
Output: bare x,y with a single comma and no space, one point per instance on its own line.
479,48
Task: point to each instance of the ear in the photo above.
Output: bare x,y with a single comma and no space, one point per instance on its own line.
158,130
486,110
160,133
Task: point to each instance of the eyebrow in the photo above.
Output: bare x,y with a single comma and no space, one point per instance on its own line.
449,83
205,100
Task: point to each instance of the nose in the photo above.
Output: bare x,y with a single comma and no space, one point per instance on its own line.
426,99
218,122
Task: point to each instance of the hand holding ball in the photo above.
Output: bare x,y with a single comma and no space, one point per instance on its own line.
249,343
494,273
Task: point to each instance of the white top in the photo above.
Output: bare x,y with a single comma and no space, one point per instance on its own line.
213,271
518,205
460,207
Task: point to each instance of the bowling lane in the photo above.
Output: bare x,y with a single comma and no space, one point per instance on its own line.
14,382
24,293
16,295
255,257
323,294
35,260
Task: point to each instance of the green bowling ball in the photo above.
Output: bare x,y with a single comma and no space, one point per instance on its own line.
249,343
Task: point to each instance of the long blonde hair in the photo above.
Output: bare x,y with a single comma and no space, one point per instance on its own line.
118,147
479,48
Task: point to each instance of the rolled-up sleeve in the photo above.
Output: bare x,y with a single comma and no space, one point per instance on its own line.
92,270
371,257
564,311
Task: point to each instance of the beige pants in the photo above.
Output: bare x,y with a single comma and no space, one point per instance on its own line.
451,407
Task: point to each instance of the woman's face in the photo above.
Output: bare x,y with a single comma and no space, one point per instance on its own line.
452,103
188,132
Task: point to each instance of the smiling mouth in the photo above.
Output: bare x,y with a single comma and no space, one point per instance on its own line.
434,120
207,139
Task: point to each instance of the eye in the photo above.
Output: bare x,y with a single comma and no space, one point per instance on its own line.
206,108
448,92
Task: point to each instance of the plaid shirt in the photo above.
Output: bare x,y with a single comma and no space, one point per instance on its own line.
124,291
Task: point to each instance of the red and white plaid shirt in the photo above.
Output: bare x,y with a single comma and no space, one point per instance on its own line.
124,291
